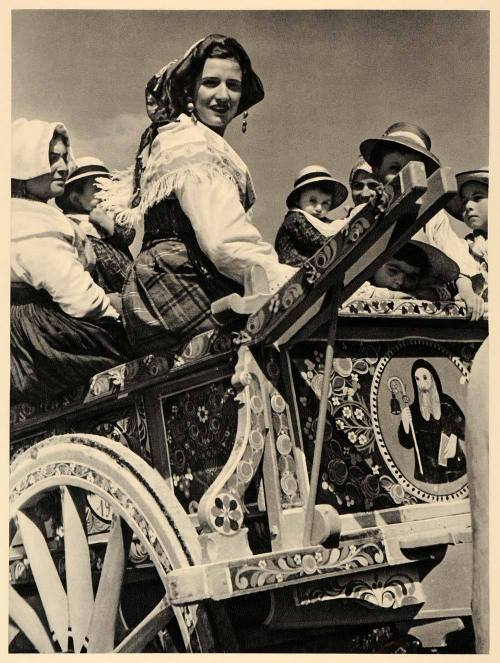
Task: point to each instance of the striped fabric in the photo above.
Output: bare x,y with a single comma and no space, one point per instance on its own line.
52,352
112,264
169,289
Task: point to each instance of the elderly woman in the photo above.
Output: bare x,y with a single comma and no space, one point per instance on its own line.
64,328
194,192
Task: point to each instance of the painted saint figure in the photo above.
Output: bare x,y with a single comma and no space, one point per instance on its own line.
433,425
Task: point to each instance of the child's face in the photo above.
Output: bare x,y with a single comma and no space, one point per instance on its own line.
86,200
313,201
392,163
475,201
363,187
397,275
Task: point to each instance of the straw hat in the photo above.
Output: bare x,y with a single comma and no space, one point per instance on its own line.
410,136
85,167
317,175
455,206
441,267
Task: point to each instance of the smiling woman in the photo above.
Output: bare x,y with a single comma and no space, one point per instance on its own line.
218,93
194,193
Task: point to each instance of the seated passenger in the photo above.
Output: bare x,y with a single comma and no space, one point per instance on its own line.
64,328
417,270
471,207
387,155
110,238
306,226
194,192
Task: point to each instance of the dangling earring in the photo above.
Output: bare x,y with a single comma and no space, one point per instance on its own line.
244,124
190,111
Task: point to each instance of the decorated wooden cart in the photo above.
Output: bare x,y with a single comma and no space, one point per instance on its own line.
260,491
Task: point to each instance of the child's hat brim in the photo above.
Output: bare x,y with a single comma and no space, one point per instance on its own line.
337,189
455,206
441,267
367,146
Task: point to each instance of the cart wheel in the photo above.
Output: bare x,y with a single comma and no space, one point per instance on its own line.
77,598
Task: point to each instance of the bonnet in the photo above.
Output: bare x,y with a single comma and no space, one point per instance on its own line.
30,147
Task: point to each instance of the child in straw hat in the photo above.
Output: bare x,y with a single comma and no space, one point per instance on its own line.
387,155
471,207
109,238
306,225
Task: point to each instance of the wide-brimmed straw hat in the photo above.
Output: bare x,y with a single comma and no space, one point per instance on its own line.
409,136
441,267
311,175
85,167
455,206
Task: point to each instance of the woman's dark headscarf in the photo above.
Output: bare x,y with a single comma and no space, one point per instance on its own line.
168,91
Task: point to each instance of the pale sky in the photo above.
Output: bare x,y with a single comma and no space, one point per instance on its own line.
332,78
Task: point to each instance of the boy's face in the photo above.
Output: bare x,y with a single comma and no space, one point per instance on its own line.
475,201
363,187
313,201
392,162
397,275
86,200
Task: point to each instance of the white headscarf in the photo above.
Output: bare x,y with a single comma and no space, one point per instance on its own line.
30,147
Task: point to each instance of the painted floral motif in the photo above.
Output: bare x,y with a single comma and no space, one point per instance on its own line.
404,308
273,570
200,430
127,426
379,589
353,475
226,515
309,276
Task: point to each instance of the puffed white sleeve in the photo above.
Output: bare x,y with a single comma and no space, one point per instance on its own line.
225,233
439,232
51,263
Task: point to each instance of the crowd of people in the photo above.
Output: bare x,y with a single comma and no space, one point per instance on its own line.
80,303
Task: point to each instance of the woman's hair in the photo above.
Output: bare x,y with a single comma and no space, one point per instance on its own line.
223,51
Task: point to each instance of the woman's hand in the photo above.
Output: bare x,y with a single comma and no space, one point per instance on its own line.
99,218
406,418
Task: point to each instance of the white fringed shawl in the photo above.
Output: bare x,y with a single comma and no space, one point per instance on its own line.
182,149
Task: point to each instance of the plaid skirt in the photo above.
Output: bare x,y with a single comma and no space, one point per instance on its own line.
112,264
52,352
164,303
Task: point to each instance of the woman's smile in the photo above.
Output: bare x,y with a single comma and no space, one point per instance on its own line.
217,93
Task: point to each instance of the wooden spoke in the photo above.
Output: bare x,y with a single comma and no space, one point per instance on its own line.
46,577
13,632
78,570
28,621
103,622
144,632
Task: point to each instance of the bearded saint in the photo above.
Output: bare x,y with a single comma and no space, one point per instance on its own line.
438,428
